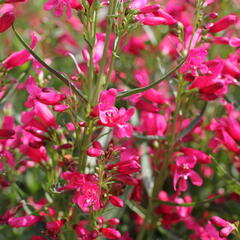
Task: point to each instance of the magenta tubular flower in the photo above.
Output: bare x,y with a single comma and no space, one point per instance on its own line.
6,133
25,221
14,1
126,167
111,233
110,116
87,197
6,21
46,96
227,227
183,171
195,61
58,7
118,202
153,21
54,228
223,23
202,157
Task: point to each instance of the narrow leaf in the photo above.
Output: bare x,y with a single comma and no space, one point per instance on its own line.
153,84
194,123
147,174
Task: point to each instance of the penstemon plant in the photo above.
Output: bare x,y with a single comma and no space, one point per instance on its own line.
119,119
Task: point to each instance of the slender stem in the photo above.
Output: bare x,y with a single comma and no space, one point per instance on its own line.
162,175
103,61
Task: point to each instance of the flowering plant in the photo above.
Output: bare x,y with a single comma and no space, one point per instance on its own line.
119,119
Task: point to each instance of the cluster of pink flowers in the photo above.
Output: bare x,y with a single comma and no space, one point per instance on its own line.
119,119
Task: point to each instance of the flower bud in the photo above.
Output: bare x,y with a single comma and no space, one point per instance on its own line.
111,233
6,21
116,201
223,23
113,221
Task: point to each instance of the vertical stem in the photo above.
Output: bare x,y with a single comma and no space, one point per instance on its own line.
163,174
105,50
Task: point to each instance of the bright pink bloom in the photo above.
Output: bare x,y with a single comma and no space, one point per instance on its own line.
6,21
110,116
14,1
54,228
113,221
111,233
183,171
6,133
126,167
223,23
150,8
87,191
196,60
227,227
11,212
173,214
46,96
96,150
58,7
234,42
152,124
76,5
87,197
118,202
25,221
201,157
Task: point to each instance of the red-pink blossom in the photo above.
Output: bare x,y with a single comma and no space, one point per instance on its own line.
110,116
6,21
58,6
183,171
25,221
111,233
118,202
223,23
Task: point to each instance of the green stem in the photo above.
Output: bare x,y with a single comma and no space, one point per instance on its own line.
162,174
103,61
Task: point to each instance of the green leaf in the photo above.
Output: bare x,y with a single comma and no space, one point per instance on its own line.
194,123
147,174
149,138
153,84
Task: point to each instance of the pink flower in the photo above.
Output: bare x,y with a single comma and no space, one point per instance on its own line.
152,124
183,171
227,227
110,116
223,23
46,96
87,197
54,228
111,233
196,60
58,7
6,21
25,221
201,157
87,191
116,201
